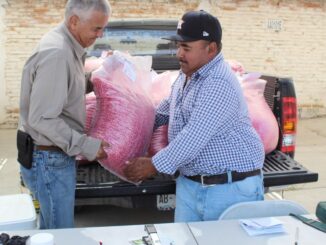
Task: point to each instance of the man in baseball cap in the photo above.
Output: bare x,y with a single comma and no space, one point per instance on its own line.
197,30
197,25
212,143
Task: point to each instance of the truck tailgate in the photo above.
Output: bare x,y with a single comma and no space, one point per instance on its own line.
279,169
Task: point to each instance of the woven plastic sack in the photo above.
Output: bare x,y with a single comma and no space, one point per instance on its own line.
93,63
124,112
261,115
159,140
236,67
90,116
90,111
161,86
161,89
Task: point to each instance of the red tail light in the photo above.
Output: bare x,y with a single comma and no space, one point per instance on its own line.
289,125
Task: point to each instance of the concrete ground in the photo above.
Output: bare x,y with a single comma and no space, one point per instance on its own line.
310,152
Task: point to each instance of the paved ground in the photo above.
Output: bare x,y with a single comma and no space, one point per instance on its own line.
310,152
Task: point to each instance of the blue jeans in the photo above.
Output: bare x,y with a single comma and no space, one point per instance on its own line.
52,181
195,202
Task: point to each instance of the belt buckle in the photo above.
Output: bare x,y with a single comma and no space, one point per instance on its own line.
202,180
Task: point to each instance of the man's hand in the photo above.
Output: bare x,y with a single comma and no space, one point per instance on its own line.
139,169
101,153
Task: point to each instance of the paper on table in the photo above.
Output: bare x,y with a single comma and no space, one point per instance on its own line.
164,241
260,226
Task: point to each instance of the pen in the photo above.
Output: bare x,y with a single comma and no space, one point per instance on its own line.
296,236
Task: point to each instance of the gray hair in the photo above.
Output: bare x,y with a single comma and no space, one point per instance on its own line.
82,8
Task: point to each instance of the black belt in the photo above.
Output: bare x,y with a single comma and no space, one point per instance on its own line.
47,148
222,178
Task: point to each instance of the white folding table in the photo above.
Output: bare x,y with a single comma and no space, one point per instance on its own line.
225,232
222,232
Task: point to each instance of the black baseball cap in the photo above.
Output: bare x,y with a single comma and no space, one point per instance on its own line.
197,25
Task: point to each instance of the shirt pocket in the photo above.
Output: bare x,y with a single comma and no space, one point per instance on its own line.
188,104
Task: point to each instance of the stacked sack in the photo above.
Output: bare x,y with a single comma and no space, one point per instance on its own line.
124,115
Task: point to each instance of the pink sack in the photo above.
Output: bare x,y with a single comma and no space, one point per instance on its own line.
159,140
261,115
93,63
125,114
90,111
161,89
90,115
161,86
236,67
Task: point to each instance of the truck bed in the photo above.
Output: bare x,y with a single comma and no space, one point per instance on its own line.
94,181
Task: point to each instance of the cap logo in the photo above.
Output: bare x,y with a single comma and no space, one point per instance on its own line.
205,34
180,24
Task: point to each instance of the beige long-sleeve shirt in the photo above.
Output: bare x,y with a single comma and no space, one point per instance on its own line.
52,100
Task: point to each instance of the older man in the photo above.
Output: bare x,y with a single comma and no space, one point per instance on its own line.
52,110
212,143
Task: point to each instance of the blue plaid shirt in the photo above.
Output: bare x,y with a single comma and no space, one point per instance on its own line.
209,131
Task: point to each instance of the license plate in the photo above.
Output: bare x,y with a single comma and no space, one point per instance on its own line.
165,202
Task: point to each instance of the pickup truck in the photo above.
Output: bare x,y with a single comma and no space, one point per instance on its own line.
95,185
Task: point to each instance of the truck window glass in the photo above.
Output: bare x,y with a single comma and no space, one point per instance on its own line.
135,41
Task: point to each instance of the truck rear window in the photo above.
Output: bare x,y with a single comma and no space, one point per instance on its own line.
135,41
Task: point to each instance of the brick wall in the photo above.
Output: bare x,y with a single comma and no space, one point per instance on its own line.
279,37
3,97
25,22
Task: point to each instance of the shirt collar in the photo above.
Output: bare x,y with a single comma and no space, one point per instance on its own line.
79,50
204,70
